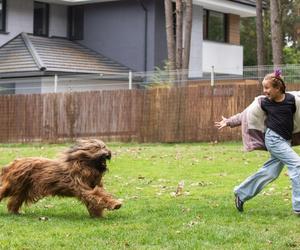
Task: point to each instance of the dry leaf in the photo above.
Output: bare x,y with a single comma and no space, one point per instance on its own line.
43,218
180,187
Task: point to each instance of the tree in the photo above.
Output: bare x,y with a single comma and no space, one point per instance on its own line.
170,34
260,34
179,48
179,32
289,15
187,34
276,32
249,41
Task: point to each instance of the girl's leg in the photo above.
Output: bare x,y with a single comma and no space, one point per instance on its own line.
256,182
281,149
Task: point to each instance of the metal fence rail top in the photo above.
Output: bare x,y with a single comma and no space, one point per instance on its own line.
134,80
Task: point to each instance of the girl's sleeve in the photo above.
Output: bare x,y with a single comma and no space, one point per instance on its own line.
235,120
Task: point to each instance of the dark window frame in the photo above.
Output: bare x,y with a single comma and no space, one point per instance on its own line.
78,32
3,17
206,28
47,5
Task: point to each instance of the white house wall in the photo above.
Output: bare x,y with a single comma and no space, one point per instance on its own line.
226,6
196,43
226,58
19,18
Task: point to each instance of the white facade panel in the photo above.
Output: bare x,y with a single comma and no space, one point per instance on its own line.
195,65
226,58
226,6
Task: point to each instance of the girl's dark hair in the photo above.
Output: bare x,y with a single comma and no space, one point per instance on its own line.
276,80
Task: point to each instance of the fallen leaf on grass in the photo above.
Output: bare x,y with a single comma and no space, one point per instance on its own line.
179,190
133,197
192,223
184,210
48,206
43,218
209,158
201,183
266,193
180,187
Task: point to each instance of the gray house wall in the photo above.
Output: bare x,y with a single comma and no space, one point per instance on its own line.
58,21
160,35
117,30
19,18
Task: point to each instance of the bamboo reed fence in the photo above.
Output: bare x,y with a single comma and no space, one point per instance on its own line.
184,114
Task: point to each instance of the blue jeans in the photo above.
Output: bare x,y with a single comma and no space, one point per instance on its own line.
281,154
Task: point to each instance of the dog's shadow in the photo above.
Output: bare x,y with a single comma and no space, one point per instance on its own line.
54,215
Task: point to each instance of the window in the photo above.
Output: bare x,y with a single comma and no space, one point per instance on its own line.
41,19
76,22
214,26
2,15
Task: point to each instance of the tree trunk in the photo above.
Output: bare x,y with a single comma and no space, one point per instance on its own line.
260,34
170,34
260,40
179,26
187,34
276,32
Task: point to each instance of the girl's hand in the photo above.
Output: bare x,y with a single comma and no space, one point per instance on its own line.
221,124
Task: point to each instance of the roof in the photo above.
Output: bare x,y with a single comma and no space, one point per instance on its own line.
242,8
250,2
28,53
247,2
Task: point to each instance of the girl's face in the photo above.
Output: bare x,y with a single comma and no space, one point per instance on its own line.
271,92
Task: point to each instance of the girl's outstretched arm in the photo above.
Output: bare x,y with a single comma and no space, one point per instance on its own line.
221,124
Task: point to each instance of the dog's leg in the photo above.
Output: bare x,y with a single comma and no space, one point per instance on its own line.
1,193
97,200
94,211
4,190
105,199
14,204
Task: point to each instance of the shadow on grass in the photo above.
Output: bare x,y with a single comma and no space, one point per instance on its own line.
48,215
145,211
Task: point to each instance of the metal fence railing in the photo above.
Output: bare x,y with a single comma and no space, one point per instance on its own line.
134,80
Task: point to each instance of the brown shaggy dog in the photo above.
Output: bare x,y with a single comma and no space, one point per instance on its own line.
78,173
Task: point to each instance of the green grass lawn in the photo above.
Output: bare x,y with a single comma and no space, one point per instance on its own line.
145,177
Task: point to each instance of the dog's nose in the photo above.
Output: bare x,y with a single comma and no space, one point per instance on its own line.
108,155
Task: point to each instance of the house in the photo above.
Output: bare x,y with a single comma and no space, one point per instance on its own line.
37,64
128,33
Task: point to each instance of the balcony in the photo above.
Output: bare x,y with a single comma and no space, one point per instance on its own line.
226,58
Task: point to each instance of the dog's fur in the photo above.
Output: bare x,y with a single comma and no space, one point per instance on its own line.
77,173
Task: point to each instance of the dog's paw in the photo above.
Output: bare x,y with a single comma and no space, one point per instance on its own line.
96,213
